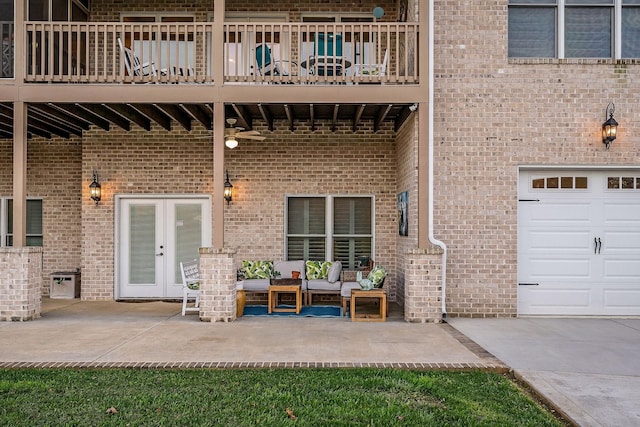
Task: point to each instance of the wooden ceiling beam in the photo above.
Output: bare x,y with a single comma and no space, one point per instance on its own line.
290,116
131,114
154,114
404,114
381,116
334,119
52,111
58,127
266,115
244,118
177,113
357,116
200,115
312,117
108,114
90,116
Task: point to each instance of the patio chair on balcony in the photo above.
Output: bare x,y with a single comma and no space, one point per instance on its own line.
373,70
328,59
267,65
190,285
134,66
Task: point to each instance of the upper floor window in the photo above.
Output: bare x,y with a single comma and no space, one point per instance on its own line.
574,28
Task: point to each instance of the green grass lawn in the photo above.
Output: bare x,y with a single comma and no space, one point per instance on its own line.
264,397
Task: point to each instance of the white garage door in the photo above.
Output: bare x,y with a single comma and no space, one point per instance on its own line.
579,243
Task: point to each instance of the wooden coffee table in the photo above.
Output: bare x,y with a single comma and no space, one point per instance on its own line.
282,286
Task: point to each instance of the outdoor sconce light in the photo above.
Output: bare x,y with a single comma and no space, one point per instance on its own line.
94,189
610,127
228,189
231,142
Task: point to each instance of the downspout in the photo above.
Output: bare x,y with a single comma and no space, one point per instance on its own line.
432,238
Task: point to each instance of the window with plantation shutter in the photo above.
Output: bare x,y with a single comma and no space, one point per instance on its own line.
34,222
335,228
306,225
352,226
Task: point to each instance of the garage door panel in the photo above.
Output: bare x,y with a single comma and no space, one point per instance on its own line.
558,214
621,242
617,214
554,268
618,269
539,240
622,299
546,300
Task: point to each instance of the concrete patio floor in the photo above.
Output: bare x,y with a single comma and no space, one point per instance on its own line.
106,333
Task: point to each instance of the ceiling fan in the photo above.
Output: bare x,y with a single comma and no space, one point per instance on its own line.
233,133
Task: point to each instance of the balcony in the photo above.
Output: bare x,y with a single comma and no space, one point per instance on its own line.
251,53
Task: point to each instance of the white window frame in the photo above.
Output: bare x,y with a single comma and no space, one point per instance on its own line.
329,199
4,220
561,6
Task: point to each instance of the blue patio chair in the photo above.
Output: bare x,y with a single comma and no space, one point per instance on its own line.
267,65
328,54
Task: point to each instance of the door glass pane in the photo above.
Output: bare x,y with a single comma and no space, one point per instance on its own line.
142,238
588,32
188,229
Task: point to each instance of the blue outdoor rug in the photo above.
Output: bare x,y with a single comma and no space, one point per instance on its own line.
306,311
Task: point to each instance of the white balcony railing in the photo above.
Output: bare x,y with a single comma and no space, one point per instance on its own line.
252,53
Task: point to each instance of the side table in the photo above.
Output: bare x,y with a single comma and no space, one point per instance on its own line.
281,286
380,294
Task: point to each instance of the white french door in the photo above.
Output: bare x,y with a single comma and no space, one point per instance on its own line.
154,236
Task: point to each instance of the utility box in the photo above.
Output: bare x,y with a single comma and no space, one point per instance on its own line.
65,285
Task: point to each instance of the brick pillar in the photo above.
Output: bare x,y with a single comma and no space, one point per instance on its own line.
20,283
217,285
423,286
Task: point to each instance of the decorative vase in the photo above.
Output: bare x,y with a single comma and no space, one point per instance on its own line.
295,274
241,298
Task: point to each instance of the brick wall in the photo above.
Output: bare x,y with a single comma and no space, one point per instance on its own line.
492,115
109,10
262,173
54,170
21,283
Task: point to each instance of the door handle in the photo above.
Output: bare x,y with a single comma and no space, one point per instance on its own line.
597,245
160,254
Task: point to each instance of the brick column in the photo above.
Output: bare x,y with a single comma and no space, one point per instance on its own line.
20,283
217,285
423,286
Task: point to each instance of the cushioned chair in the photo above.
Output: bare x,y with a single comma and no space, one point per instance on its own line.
267,65
190,285
327,282
373,70
327,50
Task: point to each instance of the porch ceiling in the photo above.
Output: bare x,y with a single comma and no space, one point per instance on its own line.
67,120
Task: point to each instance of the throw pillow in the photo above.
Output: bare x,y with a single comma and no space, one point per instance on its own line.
377,275
334,272
314,270
317,269
257,269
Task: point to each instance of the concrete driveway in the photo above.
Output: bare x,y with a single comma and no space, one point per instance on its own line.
587,367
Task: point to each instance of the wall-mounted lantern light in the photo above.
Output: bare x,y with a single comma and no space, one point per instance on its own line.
94,189
228,189
609,127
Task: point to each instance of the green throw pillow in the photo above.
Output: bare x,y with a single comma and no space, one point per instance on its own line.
257,269
317,269
377,275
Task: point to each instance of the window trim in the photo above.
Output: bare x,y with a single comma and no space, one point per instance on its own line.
329,221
